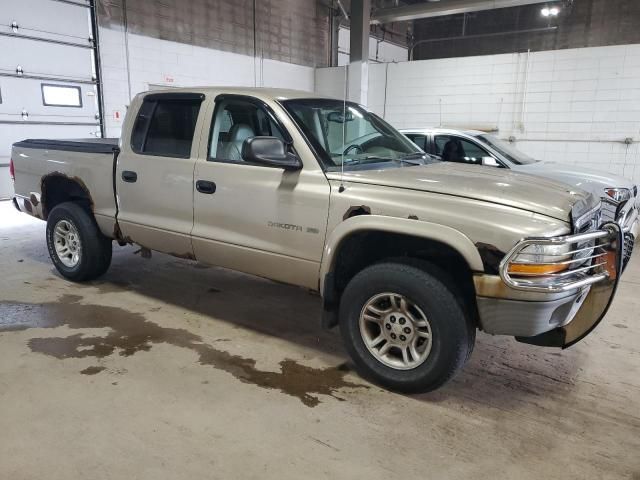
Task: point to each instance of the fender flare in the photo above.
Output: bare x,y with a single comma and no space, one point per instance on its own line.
402,226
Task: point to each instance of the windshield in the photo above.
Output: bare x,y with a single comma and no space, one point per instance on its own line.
507,150
352,135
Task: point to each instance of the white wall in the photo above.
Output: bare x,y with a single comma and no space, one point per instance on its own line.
379,51
575,106
154,62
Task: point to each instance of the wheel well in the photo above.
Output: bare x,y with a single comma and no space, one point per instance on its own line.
362,249
58,188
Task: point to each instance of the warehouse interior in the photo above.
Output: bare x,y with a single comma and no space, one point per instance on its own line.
169,368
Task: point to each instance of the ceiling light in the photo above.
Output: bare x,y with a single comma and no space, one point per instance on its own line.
550,12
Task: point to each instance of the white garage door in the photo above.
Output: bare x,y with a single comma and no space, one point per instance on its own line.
47,74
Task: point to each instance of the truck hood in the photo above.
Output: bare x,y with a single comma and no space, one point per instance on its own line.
500,186
593,181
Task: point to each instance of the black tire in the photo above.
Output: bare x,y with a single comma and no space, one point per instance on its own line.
430,289
95,251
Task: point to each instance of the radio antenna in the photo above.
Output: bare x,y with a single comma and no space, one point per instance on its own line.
344,126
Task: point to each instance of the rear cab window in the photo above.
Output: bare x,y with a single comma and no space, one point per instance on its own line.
166,124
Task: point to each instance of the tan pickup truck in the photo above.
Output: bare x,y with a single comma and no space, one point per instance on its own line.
410,255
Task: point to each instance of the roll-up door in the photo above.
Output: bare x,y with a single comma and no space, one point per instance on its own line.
48,74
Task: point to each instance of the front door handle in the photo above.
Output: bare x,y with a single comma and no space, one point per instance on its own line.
203,186
129,176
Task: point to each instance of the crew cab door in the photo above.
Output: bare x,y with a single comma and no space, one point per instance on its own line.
254,218
154,174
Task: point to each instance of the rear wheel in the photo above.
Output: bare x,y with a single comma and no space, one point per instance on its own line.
404,326
76,246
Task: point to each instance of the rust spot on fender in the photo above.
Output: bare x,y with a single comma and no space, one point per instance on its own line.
76,179
356,210
129,333
490,286
491,257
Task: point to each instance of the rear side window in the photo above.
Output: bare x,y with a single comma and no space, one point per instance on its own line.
165,126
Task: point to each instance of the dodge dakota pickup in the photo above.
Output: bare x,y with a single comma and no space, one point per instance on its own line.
410,255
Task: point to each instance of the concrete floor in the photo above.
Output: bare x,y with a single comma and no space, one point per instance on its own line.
167,369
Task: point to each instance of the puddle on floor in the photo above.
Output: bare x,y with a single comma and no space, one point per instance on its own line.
130,333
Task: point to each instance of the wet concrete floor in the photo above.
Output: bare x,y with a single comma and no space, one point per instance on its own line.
165,369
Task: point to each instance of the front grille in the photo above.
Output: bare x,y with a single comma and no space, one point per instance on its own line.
586,224
609,210
629,241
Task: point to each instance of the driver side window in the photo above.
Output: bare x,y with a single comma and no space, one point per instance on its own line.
456,149
234,122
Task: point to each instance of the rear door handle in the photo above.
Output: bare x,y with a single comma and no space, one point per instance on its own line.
129,176
203,186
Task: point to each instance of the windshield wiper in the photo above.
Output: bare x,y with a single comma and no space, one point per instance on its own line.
411,159
367,159
413,156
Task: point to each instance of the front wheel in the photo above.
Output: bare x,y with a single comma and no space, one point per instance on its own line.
404,327
76,246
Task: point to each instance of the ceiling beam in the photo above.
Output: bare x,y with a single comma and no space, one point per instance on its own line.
441,9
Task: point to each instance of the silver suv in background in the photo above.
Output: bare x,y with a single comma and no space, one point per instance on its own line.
474,147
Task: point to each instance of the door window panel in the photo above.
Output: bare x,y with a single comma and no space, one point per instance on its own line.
457,149
61,96
419,140
165,127
235,122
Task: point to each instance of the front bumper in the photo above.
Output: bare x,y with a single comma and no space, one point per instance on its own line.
561,309
526,318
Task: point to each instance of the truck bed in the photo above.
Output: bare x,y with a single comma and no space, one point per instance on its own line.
87,162
87,145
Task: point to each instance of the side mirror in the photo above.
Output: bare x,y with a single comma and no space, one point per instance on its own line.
269,151
490,162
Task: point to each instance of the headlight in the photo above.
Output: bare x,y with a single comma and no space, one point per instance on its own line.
618,194
540,259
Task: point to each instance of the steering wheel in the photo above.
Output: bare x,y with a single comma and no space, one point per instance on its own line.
355,147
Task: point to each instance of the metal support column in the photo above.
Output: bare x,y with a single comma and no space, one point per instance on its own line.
93,12
359,50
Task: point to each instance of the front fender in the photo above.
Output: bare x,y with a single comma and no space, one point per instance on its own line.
402,226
